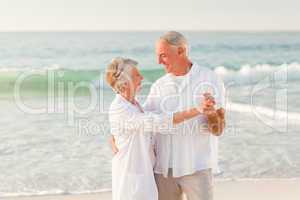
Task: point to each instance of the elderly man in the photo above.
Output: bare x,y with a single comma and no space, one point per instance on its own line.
187,156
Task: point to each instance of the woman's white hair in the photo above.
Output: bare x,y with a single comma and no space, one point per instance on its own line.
118,72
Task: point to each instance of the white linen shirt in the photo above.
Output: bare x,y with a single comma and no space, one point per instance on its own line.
132,167
190,144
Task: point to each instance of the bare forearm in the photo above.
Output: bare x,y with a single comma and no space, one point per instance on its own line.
185,115
217,128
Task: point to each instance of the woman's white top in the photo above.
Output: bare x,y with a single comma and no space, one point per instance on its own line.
132,166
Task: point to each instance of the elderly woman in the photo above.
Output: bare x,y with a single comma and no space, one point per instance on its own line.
132,127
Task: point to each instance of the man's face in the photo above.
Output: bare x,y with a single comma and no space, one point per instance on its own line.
167,55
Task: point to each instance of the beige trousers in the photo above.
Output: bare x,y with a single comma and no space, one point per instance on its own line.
197,186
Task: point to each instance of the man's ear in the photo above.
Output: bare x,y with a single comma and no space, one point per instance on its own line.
181,51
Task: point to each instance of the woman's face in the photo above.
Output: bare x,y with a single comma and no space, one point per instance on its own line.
135,83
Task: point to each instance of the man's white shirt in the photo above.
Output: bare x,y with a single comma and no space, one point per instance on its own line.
188,147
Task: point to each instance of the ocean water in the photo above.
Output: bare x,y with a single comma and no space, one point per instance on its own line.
53,105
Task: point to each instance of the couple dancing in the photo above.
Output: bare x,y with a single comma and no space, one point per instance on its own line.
167,147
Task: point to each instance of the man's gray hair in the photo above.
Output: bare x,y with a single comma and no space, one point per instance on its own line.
175,38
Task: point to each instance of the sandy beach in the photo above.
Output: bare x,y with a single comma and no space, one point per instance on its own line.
224,190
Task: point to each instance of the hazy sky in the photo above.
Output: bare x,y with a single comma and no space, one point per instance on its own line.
149,14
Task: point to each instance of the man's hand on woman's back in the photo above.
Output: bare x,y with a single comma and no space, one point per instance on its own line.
113,145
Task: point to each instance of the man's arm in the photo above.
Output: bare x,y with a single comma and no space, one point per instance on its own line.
216,121
215,118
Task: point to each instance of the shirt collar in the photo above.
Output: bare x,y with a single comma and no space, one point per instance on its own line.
189,76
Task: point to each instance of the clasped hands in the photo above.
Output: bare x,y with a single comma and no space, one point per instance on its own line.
215,117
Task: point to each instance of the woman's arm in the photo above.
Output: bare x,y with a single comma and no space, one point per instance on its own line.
163,122
179,117
152,122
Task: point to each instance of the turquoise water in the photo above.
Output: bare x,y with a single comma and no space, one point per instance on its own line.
53,102
81,50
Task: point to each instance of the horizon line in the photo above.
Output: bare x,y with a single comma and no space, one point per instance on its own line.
151,30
